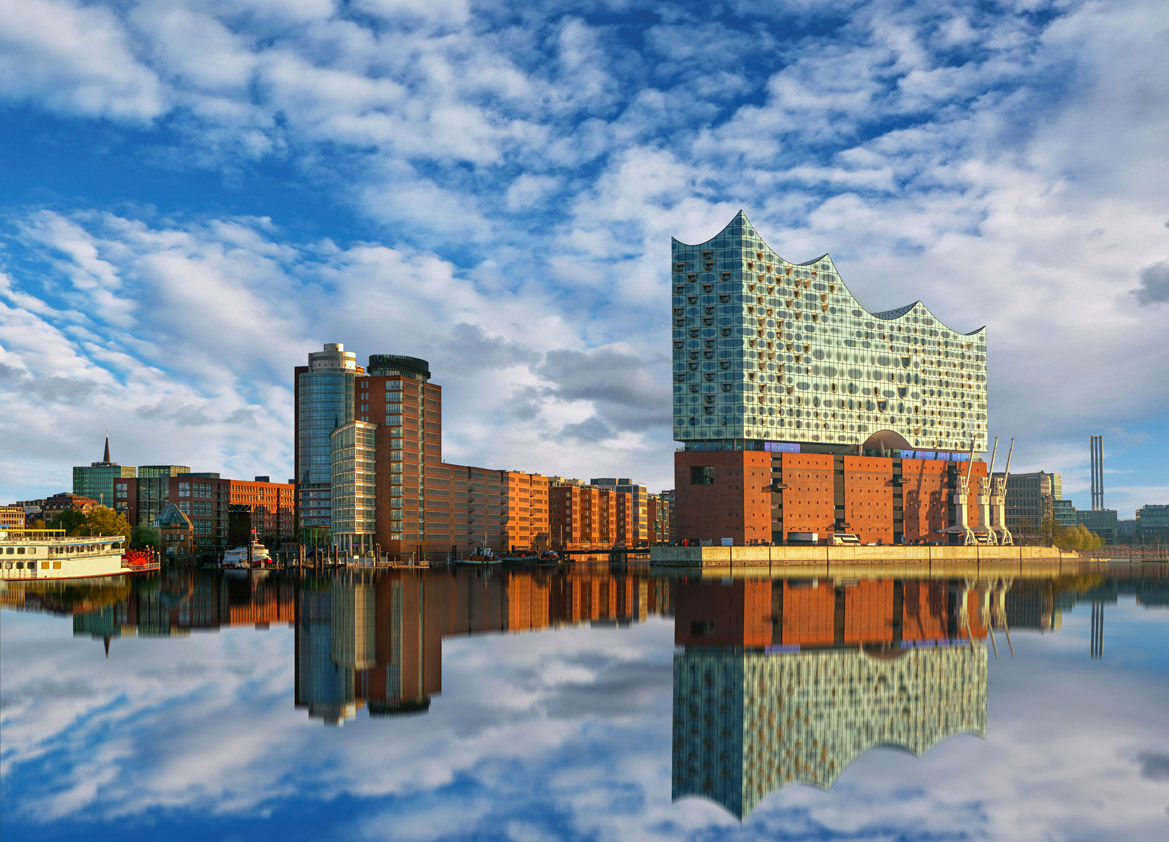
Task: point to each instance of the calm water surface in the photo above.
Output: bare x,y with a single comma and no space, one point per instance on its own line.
588,703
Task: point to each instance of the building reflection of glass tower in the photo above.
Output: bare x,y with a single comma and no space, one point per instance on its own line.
819,675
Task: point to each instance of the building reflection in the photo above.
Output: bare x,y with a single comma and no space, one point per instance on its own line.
782,682
176,605
377,642
775,682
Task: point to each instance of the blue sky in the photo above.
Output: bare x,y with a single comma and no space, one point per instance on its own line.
195,195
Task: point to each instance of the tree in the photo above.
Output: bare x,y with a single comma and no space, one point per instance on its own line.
143,536
70,520
104,521
1049,530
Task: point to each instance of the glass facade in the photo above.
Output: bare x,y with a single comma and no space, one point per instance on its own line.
325,401
767,350
352,485
154,489
97,480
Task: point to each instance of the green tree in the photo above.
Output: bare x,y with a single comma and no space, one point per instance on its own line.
71,520
105,521
145,536
1049,530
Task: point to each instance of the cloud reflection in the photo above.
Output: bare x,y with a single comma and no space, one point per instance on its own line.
562,732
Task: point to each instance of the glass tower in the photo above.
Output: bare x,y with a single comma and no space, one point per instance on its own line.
766,352
324,402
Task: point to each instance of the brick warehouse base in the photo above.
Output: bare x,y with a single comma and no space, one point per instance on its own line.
758,497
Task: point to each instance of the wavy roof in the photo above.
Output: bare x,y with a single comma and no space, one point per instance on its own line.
885,315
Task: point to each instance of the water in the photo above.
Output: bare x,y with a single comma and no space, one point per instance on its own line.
590,703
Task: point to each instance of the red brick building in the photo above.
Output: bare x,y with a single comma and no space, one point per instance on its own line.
752,496
213,504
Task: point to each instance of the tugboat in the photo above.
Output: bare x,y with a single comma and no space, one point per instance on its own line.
482,555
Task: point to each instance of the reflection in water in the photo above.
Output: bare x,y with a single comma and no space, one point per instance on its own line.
378,642
774,681
785,682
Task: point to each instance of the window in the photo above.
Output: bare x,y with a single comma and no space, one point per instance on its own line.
701,475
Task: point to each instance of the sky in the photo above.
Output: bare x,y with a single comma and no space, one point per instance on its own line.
196,195
561,734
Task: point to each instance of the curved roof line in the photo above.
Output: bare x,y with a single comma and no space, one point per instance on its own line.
884,315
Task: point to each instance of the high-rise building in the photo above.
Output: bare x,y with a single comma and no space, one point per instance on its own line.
396,394
352,493
770,352
97,480
324,393
801,411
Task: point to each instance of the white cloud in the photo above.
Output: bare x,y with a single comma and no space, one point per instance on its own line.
74,59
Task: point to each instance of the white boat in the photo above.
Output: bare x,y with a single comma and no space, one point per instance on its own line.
35,555
238,557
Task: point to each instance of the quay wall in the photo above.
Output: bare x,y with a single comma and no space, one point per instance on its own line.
768,556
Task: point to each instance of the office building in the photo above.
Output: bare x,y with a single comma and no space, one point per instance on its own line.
1152,524
1030,503
97,480
1100,521
324,399
801,411
1063,512
142,498
223,512
391,492
11,517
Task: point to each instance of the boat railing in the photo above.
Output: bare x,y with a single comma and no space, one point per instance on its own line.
53,535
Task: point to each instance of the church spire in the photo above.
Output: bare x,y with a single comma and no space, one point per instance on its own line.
106,458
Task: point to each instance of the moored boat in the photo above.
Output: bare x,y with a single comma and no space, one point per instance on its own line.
481,556
239,556
46,554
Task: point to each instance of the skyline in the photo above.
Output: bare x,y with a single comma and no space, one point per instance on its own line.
197,196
